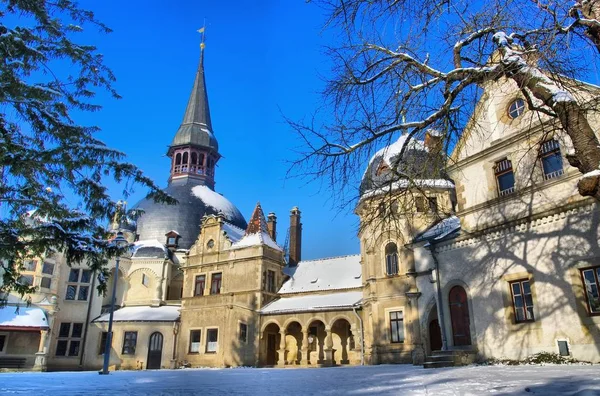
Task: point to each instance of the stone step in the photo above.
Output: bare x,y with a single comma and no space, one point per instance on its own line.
440,358
446,353
438,364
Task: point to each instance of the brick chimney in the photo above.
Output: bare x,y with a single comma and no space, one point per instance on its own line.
295,237
272,226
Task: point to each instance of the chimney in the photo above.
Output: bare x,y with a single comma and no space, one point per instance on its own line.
433,141
295,237
272,226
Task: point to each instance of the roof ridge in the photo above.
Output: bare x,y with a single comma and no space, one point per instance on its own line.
330,258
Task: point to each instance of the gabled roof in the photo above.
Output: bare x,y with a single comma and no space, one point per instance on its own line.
256,232
332,273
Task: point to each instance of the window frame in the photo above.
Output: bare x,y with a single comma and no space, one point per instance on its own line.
519,104
388,256
502,172
127,343
199,331
196,282
208,332
244,339
102,346
50,265
522,295
79,285
548,149
594,270
69,341
399,323
214,281
271,276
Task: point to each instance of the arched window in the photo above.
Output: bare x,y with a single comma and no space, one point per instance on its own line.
178,159
194,158
210,163
201,162
185,158
391,259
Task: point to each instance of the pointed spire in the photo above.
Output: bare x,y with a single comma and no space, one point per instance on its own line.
257,223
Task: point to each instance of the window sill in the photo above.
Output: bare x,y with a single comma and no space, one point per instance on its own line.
193,353
211,352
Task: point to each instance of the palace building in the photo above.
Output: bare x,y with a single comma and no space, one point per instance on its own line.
497,256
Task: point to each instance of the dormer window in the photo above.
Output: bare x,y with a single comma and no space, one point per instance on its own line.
516,108
172,239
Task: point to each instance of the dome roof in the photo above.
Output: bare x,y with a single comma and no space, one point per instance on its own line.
417,162
195,201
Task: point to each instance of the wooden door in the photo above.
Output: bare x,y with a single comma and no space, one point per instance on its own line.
154,351
271,349
435,336
459,314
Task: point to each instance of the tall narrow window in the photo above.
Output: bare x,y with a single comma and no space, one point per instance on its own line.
592,285
185,158
397,326
504,177
391,259
178,159
215,283
212,340
194,341
102,346
194,158
271,281
199,285
129,343
552,163
243,335
522,301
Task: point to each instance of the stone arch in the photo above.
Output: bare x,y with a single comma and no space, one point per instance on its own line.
315,319
338,317
317,336
290,320
269,322
143,284
142,269
343,340
293,341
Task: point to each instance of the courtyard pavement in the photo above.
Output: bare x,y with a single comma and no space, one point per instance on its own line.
368,380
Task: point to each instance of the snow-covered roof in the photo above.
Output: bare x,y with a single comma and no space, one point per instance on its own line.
232,232
216,201
313,302
149,248
166,313
388,153
332,273
404,183
441,229
12,317
256,233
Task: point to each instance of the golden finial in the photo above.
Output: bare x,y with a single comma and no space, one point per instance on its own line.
201,31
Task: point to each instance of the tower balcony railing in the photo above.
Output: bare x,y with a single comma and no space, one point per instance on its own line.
193,169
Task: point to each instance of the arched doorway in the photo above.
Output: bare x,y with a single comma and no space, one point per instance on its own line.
271,338
293,343
155,351
343,341
459,315
435,335
316,342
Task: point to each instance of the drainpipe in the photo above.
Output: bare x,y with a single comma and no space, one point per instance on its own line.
362,337
440,305
87,319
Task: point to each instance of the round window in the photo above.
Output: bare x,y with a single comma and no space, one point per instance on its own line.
210,244
516,108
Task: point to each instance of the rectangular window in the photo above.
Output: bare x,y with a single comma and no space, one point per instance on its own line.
26,280
591,284
129,343
243,332
552,163
78,287
433,206
504,177
271,281
46,283
397,326
145,280
522,301
195,341
48,268
199,285
3,342
102,346
69,339
215,283
212,338
30,265
421,204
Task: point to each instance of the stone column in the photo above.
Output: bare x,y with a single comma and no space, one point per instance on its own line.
40,356
304,361
414,327
328,347
281,351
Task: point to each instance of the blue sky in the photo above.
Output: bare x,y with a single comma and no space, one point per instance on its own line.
263,59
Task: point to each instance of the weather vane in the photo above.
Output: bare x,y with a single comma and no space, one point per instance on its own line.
201,31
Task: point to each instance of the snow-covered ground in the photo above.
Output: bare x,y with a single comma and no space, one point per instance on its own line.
369,380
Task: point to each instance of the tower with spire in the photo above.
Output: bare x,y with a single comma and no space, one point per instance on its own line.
194,151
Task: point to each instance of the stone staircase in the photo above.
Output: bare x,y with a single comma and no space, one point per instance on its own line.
439,359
